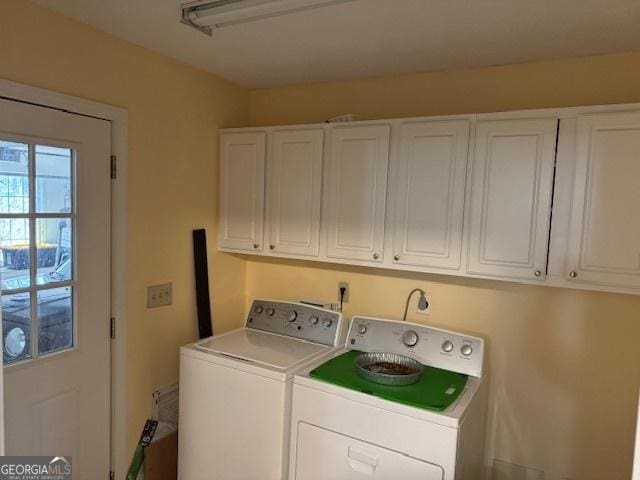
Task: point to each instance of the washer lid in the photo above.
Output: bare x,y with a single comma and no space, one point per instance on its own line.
276,351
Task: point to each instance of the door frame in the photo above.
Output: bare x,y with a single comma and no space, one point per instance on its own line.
119,119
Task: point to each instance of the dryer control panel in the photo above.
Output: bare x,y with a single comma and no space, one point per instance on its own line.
431,346
297,320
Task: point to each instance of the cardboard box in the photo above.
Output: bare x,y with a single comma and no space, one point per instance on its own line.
161,459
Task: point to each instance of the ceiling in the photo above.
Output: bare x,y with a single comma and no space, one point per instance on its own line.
370,38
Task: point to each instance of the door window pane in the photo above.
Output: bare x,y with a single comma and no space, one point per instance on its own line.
53,180
16,327
14,177
14,246
54,246
55,319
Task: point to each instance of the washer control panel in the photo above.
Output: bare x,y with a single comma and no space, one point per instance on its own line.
296,320
429,345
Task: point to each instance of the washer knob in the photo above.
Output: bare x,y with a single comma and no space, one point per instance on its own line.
292,315
313,320
410,338
362,329
327,322
258,309
270,312
447,346
466,350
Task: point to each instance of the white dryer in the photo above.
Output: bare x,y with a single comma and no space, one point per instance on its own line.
345,427
235,391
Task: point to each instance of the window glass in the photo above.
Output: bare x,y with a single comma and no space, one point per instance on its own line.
53,179
15,253
14,177
55,319
36,249
54,250
16,327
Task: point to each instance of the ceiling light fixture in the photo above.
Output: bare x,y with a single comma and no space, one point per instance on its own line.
207,15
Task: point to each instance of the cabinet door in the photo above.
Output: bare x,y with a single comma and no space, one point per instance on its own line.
429,194
511,197
357,192
604,245
295,179
242,157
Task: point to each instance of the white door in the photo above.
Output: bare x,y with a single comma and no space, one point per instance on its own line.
323,454
242,160
604,246
429,194
295,181
512,183
358,161
54,241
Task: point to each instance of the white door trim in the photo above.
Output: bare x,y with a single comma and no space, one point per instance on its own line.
119,118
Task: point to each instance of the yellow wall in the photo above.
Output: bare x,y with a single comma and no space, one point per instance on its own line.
174,113
565,364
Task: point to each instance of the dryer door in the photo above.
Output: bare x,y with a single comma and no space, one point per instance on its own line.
323,454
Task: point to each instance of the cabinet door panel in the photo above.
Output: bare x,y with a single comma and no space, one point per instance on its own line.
242,160
357,192
511,197
295,183
604,244
429,197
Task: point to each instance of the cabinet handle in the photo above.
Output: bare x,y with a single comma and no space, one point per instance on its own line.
255,245
272,247
396,257
376,256
573,274
537,273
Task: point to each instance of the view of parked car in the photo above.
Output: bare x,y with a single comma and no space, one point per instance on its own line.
54,314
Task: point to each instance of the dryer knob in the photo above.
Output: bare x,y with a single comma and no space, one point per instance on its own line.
410,338
313,320
447,346
270,312
327,322
258,309
292,315
362,329
466,350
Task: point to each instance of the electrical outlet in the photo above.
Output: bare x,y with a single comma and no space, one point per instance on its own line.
159,295
344,285
427,310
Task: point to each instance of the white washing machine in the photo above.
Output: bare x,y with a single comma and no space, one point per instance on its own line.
344,427
235,390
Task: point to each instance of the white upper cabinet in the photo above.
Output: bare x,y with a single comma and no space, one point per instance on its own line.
429,194
356,193
511,193
604,239
294,185
242,162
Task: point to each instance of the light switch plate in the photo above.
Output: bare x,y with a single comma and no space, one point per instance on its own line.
159,295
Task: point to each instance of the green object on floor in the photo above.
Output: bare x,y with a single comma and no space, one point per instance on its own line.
136,463
436,389
148,432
